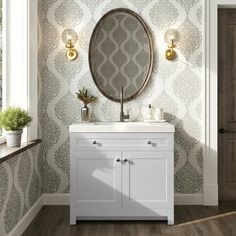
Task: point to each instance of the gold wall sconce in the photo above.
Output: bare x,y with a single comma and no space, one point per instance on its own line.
172,38
70,37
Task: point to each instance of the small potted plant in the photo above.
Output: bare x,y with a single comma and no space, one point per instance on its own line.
84,97
13,120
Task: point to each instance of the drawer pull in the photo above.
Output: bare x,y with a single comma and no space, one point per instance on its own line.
125,160
94,142
149,142
118,160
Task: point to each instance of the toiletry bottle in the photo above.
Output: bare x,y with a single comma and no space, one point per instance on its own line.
150,116
159,114
127,111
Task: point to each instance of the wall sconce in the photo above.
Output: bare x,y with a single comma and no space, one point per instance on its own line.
171,38
70,37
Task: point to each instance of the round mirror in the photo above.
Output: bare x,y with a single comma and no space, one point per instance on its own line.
121,54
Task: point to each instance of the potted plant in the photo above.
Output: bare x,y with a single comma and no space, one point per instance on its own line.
13,120
84,97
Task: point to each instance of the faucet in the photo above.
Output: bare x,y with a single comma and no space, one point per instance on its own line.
122,114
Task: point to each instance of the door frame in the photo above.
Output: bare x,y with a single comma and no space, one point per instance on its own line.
210,161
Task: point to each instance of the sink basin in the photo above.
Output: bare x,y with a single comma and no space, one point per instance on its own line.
104,123
121,123
132,123
129,127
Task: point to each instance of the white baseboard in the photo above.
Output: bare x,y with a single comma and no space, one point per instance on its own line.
210,195
56,199
180,199
27,218
189,199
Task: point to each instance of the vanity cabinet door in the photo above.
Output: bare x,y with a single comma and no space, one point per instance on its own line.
96,179
147,180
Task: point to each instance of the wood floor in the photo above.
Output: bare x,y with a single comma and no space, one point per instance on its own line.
189,220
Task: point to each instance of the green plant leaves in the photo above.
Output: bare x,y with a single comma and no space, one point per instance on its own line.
14,118
84,97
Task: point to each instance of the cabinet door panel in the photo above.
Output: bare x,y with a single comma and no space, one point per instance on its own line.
147,180
98,179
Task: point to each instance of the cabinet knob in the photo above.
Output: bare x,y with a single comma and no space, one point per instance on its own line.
118,160
149,142
125,160
94,142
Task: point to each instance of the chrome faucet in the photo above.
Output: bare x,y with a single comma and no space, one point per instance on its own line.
122,114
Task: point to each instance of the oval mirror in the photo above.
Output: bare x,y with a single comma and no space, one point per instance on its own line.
121,54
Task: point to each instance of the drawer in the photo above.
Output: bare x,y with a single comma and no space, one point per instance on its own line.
130,142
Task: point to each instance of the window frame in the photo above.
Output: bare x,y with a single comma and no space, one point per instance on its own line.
20,86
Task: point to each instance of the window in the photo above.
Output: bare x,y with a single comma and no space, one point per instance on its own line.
20,59
0,54
2,139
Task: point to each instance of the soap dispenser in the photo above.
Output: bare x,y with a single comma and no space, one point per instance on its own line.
150,113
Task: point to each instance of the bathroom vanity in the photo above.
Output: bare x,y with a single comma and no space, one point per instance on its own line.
122,171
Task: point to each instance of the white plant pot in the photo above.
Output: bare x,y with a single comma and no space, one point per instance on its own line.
14,138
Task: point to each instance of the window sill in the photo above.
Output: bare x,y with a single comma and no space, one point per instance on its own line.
7,153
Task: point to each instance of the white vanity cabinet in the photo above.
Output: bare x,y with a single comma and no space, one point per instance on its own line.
121,174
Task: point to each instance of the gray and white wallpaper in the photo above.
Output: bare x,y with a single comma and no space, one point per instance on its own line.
20,187
177,86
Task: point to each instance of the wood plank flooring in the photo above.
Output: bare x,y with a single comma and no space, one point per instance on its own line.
189,220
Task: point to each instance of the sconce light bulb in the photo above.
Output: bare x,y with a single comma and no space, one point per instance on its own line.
171,35
69,37
69,34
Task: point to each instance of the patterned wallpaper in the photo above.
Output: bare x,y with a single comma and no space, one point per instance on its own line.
20,187
177,86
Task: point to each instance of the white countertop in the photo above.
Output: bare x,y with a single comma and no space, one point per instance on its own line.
119,127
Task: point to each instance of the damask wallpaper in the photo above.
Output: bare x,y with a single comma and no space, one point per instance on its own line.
20,187
177,86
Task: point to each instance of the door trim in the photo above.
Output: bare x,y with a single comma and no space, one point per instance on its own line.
210,160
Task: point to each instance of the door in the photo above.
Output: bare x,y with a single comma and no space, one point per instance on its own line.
97,179
147,180
227,104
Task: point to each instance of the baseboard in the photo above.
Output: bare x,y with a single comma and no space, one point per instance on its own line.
27,218
56,199
180,199
189,199
210,195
